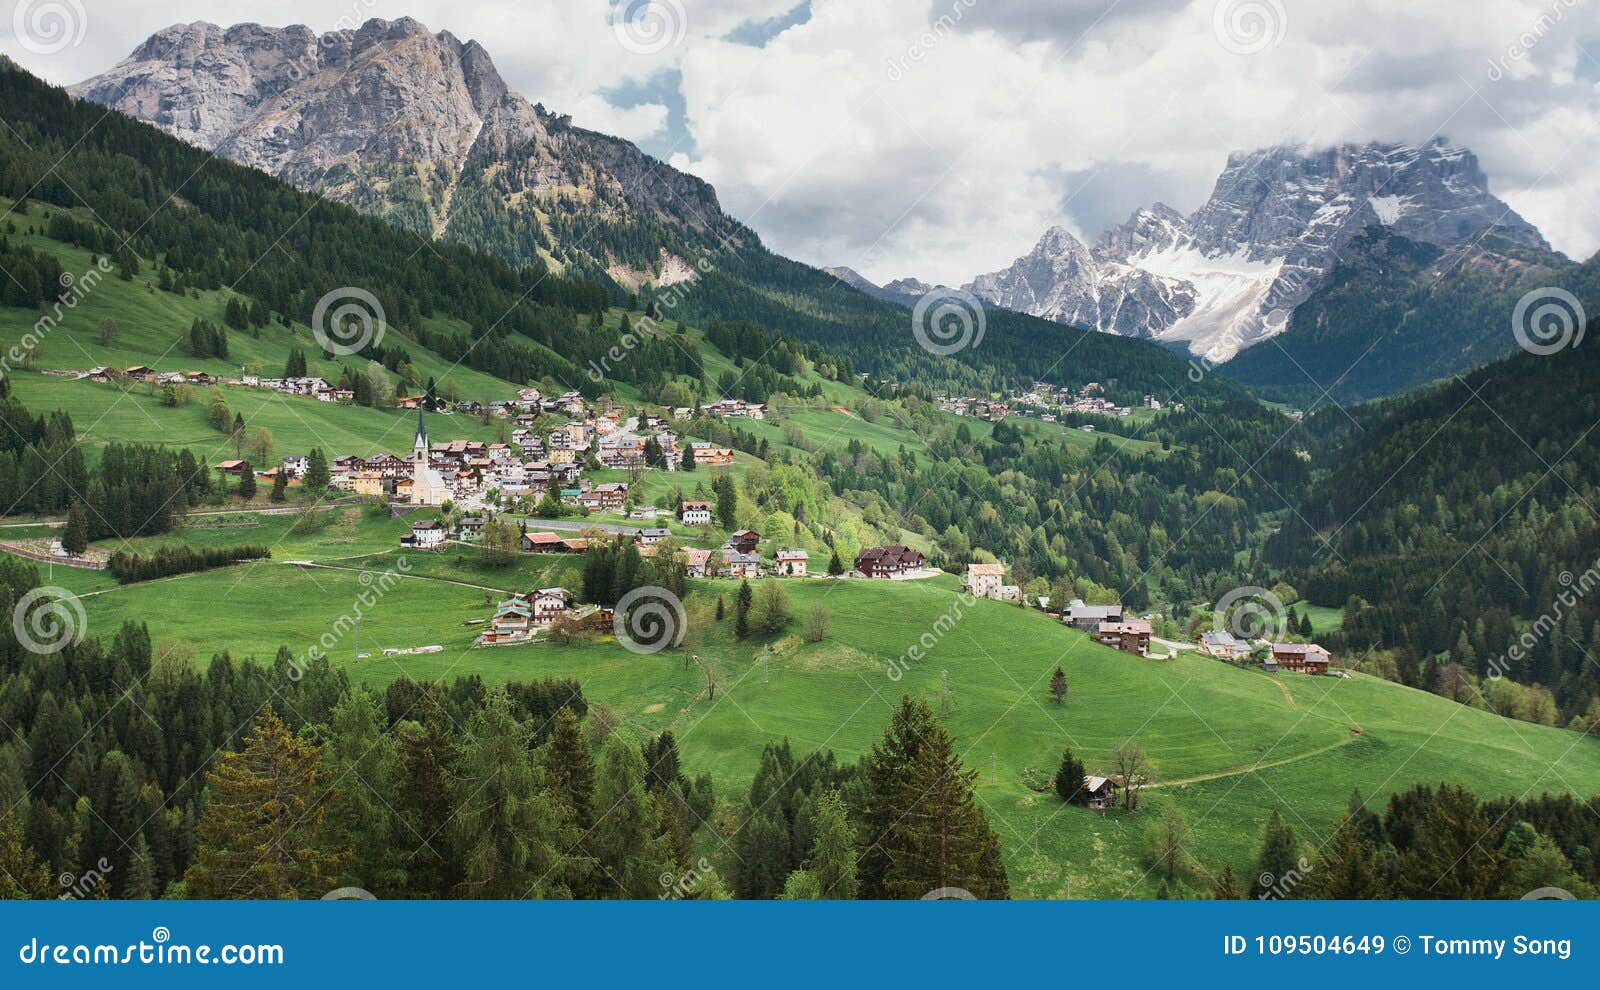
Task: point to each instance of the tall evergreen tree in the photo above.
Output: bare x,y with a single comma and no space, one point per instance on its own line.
631,849
75,537
262,833
514,830
1278,856
430,760
923,828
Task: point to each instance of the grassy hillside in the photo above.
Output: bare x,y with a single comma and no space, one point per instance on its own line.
1229,745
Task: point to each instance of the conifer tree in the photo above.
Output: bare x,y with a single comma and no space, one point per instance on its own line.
1069,780
75,537
262,832
741,611
513,829
429,762
629,845
924,829
1277,857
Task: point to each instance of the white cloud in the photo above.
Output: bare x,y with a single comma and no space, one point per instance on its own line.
939,138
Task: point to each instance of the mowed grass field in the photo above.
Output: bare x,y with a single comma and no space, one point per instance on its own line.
1229,745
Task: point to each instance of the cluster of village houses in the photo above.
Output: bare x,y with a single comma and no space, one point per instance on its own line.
1112,627
530,465
524,616
1048,403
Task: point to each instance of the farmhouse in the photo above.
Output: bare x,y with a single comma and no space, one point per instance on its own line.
1308,658
542,543
695,514
745,541
740,565
706,455
1130,636
1223,645
513,621
792,563
425,535
985,580
1102,792
695,561
650,537
888,562
549,603
1088,617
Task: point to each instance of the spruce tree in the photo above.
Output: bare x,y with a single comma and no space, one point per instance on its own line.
924,830
1069,780
513,829
632,852
75,537
1059,686
430,759
741,611
1278,856
317,475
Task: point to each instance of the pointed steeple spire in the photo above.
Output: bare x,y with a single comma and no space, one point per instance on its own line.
422,431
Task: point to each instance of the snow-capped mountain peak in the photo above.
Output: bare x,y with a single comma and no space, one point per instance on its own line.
1228,275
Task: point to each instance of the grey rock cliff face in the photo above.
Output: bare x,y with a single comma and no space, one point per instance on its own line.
1228,275
418,127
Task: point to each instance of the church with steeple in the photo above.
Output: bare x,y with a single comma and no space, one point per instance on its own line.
427,488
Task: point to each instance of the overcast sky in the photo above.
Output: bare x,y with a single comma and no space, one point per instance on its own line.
939,139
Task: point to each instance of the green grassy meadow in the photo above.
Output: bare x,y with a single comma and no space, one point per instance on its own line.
1229,745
